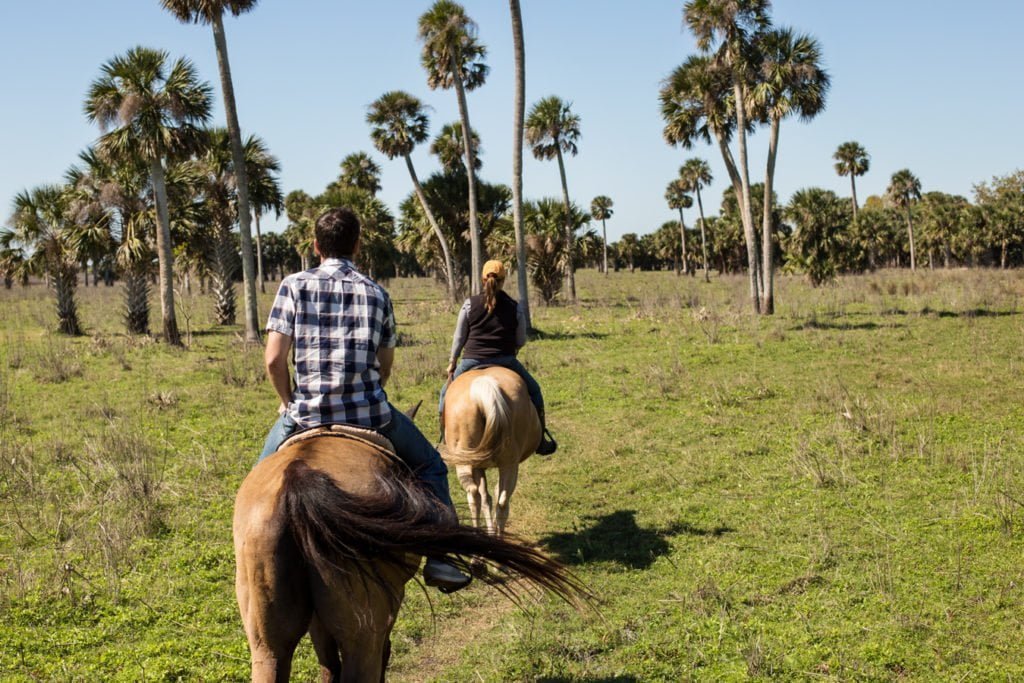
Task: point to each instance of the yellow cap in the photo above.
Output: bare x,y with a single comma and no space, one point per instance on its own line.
495,268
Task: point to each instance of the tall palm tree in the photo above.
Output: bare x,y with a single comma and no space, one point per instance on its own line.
261,169
519,113
553,130
791,82
601,210
42,223
212,12
695,104
449,148
852,160
360,170
904,190
727,30
453,57
695,174
677,198
398,123
155,112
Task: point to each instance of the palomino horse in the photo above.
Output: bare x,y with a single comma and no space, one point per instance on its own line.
327,532
489,422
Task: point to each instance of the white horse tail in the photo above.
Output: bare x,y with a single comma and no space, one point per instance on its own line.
485,392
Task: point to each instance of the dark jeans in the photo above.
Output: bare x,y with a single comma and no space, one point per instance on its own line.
510,362
410,445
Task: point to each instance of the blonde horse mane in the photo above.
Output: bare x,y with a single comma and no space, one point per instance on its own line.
485,392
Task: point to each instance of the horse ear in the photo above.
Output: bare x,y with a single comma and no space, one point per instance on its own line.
411,413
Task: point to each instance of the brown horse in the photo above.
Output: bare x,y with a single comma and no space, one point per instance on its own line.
327,532
489,422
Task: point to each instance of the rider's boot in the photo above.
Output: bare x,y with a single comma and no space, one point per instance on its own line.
547,444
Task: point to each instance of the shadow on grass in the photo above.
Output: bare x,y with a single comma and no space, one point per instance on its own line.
820,325
603,679
562,336
618,538
969,313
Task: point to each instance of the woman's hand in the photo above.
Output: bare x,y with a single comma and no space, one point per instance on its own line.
451,370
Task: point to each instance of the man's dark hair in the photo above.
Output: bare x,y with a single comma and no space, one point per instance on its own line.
337,231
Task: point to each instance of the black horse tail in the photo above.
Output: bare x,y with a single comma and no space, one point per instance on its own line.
340,532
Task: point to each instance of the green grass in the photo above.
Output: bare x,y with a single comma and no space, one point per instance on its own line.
834,493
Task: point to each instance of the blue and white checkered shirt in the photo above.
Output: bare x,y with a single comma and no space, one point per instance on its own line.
337,319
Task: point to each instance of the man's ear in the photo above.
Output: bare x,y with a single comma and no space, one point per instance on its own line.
355,248
316,249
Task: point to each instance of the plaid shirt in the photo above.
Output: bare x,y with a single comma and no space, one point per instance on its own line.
337,319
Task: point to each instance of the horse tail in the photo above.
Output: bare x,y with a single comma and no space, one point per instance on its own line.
485,392
339,532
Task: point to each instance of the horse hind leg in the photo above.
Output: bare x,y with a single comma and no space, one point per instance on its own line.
507,478
327,653
468,480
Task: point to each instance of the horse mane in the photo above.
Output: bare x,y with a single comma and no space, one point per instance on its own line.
340,532
486,393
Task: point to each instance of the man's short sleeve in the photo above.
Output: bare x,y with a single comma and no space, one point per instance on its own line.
282,313
388,336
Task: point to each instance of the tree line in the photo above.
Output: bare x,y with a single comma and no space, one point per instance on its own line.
166,198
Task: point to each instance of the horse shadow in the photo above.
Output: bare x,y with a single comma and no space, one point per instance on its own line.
617,538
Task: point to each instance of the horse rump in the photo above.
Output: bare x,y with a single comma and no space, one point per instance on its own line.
337,531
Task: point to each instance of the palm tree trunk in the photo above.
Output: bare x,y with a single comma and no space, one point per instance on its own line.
165,256
519,112
65,280
745,202
682,236
853,190
604,245
767,243
748,230
136,300
252,327
910,234
570,277
259,256
475,247
449,267
703,235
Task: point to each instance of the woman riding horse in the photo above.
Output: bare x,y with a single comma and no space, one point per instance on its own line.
490,331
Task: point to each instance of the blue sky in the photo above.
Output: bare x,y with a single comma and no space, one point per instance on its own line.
930,85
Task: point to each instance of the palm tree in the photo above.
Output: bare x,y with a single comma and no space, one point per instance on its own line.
156,112
552,130
212,12
601,210
852,160
361,171
814,246
904,190
519,111
265,194
629,249
676,197
695,104
695,174
453,57
734,25
397,124
792,81
42,224
12,259
449,148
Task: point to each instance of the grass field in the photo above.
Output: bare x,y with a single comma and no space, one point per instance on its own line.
834,493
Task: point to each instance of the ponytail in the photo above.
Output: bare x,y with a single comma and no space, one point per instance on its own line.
492,285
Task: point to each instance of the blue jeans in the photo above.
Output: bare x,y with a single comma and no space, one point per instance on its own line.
410,445
510,362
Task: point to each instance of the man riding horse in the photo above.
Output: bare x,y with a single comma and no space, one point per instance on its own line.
340,328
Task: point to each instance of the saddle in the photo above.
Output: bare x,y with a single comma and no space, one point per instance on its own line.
368,437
